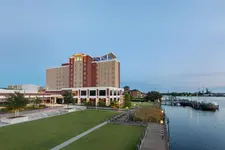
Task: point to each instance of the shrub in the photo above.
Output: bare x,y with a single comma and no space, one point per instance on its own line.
42,106
89,104
101,104
114,104
149,114
3,110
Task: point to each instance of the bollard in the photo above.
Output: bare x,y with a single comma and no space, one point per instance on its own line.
137,147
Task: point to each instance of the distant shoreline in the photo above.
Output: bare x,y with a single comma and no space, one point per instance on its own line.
196,96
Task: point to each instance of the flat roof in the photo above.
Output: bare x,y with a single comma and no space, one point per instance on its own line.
108,56
92,88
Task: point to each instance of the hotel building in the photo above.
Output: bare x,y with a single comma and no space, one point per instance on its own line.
85,71
89,79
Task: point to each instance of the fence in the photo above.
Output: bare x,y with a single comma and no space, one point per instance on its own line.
167,133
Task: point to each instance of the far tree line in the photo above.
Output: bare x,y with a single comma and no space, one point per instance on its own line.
198,93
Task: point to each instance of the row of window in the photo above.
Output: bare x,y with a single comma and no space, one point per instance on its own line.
61,85
101,93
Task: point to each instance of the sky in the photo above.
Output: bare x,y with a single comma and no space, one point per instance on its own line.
162,45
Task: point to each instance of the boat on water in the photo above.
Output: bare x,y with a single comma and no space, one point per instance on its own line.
206,106
216,104
209,106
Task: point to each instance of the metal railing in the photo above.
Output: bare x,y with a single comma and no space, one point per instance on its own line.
167,133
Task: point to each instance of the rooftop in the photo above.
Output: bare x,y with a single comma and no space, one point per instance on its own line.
108,56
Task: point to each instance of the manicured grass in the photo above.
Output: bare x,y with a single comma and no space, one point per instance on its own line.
142,104
47,133
109,137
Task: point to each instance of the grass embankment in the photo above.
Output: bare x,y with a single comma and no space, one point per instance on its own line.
109,137
142,104
149,114
4,109
49,132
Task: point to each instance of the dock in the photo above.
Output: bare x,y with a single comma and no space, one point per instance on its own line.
153,139
206,106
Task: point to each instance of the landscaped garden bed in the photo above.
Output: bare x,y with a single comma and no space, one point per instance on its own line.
149,114
15,119
69,109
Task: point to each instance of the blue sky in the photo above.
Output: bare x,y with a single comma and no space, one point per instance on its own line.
162,45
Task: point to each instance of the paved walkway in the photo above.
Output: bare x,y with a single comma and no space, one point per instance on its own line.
153,139
40,114
78,136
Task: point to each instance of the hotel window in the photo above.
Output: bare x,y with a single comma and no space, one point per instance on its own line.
83,93
102,93
111,92
92,93
114,93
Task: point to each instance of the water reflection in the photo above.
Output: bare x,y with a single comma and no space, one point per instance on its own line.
197,130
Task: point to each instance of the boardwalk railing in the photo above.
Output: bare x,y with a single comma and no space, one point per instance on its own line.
167,133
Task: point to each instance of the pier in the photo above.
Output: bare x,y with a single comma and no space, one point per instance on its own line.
206,106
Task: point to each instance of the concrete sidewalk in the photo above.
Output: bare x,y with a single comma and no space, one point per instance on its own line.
40,113
78,136
153,139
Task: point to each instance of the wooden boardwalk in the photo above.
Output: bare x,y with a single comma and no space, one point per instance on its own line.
153,139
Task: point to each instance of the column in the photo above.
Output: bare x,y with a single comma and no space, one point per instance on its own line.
96,99
107,100
54,100
87,95
78,100
117,94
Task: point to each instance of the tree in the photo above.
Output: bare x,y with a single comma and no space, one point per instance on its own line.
16,102
37,101
153,95
68,97
127,102
126,89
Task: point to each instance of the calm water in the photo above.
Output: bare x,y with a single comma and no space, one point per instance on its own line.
197,130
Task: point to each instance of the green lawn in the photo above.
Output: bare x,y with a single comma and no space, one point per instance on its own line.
46,133
142,104
109,137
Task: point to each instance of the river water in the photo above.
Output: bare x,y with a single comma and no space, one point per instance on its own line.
197,130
